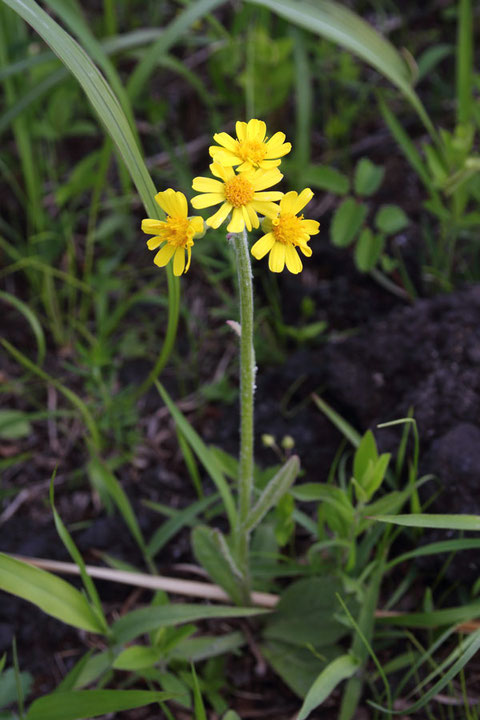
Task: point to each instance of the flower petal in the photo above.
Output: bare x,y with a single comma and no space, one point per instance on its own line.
151,227
268,209
287,203
276,259
263,246
253,216
306,250
164,255
237,222
256,130
246,218
154,242
189,258
312,227
207,200
179,261
224,157
302,200
225,140
277,147
224,173
268,196
216,220
196,223
209,185
241,130
266,178
166,200
294,264
180,205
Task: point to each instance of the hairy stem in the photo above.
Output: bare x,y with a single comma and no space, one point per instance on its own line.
247,389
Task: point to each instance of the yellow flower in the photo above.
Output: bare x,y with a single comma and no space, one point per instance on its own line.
239,194
251,149
285,233
175,234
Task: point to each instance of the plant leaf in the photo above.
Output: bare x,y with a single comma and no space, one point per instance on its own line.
85,704
339,669
51,594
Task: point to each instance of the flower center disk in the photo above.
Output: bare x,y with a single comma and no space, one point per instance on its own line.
287,229
239,191
252,151
176,232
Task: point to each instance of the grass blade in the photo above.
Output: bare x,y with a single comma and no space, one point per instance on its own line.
439,522
48,592
342,26
84,704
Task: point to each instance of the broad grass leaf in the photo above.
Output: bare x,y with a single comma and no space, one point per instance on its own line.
338,23
137,657
439,522
14,424
305,614
212,552
139,622
206,457
298,666
102,476
86,704
51,594
339,669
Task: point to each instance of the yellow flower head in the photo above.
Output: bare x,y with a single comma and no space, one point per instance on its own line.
239,194
251,149
175,235
286,232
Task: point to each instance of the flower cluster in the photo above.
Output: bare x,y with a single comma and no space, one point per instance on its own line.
244,170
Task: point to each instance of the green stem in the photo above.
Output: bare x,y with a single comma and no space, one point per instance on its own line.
247,389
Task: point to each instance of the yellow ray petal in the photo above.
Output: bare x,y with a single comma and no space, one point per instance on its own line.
225,140
151,227
180,205
196,223
294,264
164,255
216,220
263,246
287,203
223,157
302,200
256,130
166,200
276,259
179,261
269,196
209,185
253,216
241,130
312,227
268,209
263,179
224,173
237,222
207,200
246,218
189,257
154,242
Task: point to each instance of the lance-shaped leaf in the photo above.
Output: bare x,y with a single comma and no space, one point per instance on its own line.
212,552
48,592
276,489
